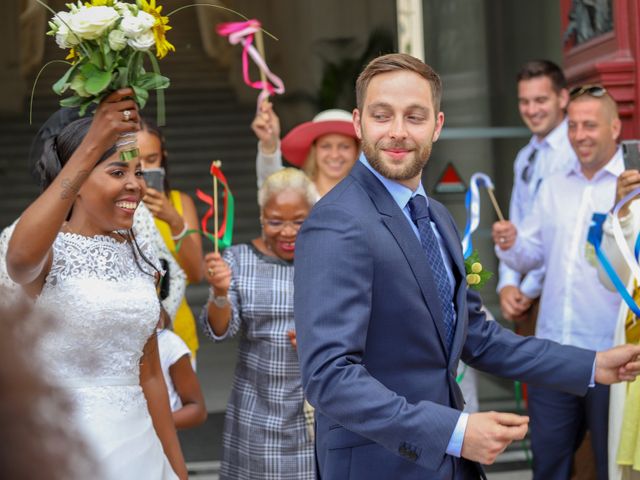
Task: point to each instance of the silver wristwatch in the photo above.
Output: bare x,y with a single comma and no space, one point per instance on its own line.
219,301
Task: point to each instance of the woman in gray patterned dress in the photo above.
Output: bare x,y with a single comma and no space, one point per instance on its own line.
265,434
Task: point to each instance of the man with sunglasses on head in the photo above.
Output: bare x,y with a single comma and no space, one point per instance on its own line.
542,102
575,308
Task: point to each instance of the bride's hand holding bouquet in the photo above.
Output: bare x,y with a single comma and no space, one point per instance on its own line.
107,42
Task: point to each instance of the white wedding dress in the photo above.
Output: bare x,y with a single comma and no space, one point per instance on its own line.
105,308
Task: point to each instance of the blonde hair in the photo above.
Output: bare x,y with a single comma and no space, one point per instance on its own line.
310,166
287,179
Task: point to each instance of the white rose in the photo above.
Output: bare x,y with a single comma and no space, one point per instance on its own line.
143,42
90,23
117,40
135,25
64,38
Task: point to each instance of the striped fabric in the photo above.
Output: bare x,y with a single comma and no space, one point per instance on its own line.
265,434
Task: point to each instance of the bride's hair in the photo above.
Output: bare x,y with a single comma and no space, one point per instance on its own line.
56,153
58,150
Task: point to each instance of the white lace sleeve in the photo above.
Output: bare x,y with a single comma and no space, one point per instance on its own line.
267,164
146,231
9,288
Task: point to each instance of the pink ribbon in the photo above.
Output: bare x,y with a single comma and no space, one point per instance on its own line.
243,32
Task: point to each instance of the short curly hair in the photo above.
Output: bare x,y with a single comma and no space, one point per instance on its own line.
287,179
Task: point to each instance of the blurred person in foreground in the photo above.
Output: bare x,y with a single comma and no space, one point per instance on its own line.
36,439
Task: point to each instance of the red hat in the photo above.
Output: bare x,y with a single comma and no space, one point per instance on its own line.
297,143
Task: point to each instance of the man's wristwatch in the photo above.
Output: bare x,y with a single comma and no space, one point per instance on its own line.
219,301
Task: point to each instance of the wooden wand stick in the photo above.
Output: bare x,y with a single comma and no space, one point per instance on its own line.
217,164
496,207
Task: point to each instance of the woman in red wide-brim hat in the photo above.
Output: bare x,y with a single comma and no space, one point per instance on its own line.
325,148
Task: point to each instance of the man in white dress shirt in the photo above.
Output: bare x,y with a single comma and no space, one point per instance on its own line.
575,308
542,102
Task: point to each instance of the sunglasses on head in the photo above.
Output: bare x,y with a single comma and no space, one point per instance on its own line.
593,90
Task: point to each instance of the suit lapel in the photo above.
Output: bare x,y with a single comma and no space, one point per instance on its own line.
399,227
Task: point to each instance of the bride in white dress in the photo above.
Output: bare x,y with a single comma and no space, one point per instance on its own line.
74,250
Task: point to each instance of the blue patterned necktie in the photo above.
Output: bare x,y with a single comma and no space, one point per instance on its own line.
420,215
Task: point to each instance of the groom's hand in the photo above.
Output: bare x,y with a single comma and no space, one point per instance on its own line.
488,434
618,364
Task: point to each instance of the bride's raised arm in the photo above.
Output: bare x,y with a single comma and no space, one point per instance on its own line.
29,251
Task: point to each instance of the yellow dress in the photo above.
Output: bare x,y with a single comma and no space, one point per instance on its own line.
629,447
184,325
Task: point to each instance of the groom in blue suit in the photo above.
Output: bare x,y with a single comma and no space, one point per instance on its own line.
383,313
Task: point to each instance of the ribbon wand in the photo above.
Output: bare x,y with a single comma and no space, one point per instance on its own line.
217,164
263,75
496,207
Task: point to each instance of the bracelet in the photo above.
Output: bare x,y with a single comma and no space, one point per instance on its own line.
220,301
182,233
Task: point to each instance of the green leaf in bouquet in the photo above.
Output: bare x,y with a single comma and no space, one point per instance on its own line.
96,58
133,67
86,104
160,113
142,95
62,84
73,101
98,82
87,69
109,59
151,81
122,74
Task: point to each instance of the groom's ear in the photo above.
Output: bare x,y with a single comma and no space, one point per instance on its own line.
439,125
356,123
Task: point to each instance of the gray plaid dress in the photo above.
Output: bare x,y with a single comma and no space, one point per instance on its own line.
265,435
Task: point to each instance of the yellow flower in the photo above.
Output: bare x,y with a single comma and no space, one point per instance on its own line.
473,279
476,267
99,3
73,55
159,28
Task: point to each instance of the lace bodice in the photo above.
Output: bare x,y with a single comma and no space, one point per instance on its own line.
105,308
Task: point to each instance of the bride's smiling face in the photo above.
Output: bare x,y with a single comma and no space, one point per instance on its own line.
109,197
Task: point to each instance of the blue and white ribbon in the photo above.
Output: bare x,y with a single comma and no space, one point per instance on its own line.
594,237
472,205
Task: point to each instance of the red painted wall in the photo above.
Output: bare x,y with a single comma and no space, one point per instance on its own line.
611,60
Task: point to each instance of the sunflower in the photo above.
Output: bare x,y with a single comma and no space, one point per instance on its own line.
160,27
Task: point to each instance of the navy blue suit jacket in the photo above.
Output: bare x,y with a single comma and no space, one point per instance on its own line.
371,340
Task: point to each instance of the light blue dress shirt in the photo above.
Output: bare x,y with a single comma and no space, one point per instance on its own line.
401,195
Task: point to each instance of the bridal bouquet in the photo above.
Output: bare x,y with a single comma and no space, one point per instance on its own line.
107,42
